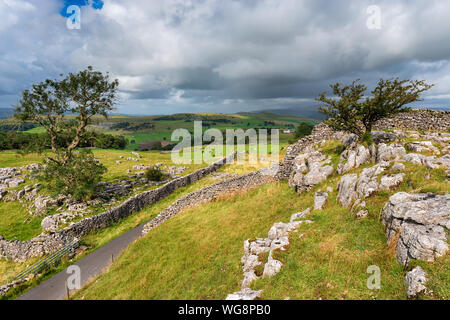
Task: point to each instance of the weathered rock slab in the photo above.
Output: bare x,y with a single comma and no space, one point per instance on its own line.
415,281
416,222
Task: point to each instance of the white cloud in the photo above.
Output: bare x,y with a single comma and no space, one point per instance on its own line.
199,53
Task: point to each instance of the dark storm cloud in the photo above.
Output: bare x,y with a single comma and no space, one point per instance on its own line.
212,55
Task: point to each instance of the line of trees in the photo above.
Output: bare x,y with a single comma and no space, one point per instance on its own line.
39,141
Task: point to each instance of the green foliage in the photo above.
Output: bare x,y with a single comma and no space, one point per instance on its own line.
109,141
29,142
77,178
154,174
303,129
352,111
85,94
14,126
367,138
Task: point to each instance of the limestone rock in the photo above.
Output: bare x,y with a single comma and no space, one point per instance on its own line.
272,267
351,187
42,203
245,294
49,224
367,182
417,222
349,139
311,168
320,198
299,215
415,281
421,146
398,166
281,229
382,136
362,214
430,161
354,156
137,155
388,152
346,189
249,277
388,181
14,182
251,262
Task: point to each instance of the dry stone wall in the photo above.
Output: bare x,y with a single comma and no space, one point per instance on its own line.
417,119
319,133
49,243
211,192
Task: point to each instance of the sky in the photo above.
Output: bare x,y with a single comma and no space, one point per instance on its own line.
226,56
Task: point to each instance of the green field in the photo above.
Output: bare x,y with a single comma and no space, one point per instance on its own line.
162,127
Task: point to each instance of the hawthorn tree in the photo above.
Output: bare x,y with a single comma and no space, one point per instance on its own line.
65,108
303,130
353,112
85,95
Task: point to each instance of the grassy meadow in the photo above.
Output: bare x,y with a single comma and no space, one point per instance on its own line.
196,254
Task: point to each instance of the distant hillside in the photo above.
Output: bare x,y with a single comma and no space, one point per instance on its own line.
273,115
310,113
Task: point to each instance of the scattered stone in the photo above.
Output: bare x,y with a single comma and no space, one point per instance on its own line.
362,214
43,203
430,161
351,188
390,152
415,281
277,240
382,136
398,166
421,146
349,139
141,167
311,168
300,215
354,156
272,267
244,294
346,189
108,190
387,181
320,198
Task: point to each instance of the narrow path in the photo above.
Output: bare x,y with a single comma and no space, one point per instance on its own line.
91,266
